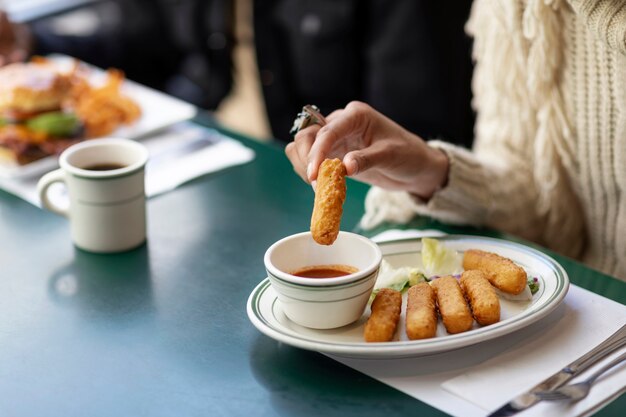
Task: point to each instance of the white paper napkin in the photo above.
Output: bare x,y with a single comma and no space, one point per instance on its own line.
478,379
187,152
588,320
177,155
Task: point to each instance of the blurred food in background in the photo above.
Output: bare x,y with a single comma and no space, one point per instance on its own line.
44,109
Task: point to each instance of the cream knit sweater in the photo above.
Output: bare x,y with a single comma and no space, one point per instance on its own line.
549,159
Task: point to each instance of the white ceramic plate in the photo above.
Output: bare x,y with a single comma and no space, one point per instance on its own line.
265,312
158,111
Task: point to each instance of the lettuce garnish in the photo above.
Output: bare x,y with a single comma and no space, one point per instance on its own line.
439,260
399,279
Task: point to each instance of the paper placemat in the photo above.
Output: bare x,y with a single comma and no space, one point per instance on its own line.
177,155
477,380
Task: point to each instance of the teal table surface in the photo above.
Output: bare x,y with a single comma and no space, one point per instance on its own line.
162,330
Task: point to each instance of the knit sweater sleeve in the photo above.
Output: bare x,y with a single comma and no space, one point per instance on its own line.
513,179
605,18
492,188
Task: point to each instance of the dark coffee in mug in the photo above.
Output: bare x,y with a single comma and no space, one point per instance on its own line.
104,167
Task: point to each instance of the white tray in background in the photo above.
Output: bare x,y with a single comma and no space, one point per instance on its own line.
158,110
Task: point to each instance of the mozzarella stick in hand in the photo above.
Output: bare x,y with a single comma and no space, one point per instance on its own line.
421,314
455,313
481,296
382,323
330,193
500,271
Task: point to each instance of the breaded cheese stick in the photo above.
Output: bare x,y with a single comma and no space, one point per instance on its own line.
330,193
500,271
421,313
455,313
481,296
382,323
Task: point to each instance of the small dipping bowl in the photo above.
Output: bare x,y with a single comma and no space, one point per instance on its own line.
323,303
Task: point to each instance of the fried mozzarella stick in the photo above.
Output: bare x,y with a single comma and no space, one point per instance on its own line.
455,313
330,193
421,314
382,323
500,271
481,296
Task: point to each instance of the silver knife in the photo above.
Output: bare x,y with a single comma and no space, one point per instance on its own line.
528,399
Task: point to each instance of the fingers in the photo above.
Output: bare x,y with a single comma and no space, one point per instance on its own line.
344,131
335,114
359,161
298,150
345,125
292,155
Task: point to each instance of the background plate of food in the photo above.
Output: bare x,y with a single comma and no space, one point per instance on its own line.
407,263
50,103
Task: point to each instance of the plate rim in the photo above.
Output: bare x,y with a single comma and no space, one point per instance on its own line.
413,348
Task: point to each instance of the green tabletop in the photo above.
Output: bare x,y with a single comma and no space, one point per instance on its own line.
162,330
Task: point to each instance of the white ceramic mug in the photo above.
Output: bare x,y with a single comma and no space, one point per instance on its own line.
105,184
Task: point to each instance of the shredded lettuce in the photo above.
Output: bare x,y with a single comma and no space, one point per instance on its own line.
399,279
438,259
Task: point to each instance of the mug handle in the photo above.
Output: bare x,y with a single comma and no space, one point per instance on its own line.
42,189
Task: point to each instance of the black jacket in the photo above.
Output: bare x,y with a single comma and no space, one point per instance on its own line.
410,59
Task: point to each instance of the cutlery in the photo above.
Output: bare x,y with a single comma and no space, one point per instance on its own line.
530,398
576,392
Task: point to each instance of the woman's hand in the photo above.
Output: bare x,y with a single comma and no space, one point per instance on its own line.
15,41
373,148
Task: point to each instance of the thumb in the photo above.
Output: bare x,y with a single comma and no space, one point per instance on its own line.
359,161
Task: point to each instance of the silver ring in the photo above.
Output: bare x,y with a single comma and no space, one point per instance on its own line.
310,115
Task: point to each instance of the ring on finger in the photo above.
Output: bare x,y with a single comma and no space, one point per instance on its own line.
310,115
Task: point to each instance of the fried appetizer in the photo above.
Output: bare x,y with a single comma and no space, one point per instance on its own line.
31,88
500,271
382,323
44,109
481,296
330,193
455,313
421,314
